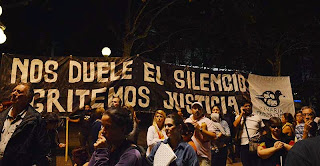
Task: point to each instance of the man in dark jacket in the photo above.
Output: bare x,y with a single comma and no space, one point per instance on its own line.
23,139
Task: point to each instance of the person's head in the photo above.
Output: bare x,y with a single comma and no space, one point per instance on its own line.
298,116
197,110
286,117
173,126
116,102
187,133
308,113
117,124
217,110
99,112
230,111
275,126
51,119
87,107
159,118
247,105
80,155
179,112
1,107
22,94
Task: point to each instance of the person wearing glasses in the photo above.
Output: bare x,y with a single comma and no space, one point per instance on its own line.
275,145
310,127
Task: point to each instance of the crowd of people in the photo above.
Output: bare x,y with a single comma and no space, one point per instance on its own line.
109,137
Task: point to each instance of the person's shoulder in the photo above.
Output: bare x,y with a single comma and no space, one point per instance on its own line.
151,128
31,111
188,120
134,151
308,145
205,119
223,122
306,150
310,142
256,116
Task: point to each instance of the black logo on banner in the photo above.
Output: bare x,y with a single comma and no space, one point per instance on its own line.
270,99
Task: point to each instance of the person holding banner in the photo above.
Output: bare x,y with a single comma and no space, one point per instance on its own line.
203,133
275,145
24,140
251,125
85,118
156,132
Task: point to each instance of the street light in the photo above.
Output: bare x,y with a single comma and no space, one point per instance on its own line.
3,36
106,51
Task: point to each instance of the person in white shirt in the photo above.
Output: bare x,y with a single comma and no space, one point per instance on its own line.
156,132
252,124
203,134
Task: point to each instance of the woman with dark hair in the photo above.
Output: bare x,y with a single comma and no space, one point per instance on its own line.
287,122
186,156
275,145
112,147
219,150
52,123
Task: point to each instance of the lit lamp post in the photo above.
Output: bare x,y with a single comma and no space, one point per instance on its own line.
106,51
3,36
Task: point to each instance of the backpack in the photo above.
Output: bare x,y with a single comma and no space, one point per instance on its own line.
145,161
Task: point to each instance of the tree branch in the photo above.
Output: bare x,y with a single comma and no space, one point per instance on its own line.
138,16
165,41
146,31
128,16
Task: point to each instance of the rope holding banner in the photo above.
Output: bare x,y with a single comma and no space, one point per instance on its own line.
67,139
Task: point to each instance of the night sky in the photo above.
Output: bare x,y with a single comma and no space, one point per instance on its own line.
212,33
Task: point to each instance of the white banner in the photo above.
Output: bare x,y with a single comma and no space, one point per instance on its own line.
270,96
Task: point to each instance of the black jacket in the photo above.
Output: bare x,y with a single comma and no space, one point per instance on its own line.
29,144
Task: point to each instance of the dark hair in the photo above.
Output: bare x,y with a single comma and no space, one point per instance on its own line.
220,111
297,112
177,119
50,117
121,117
230,111
87,105
120,101
273,120
245,102
288,117
187,129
